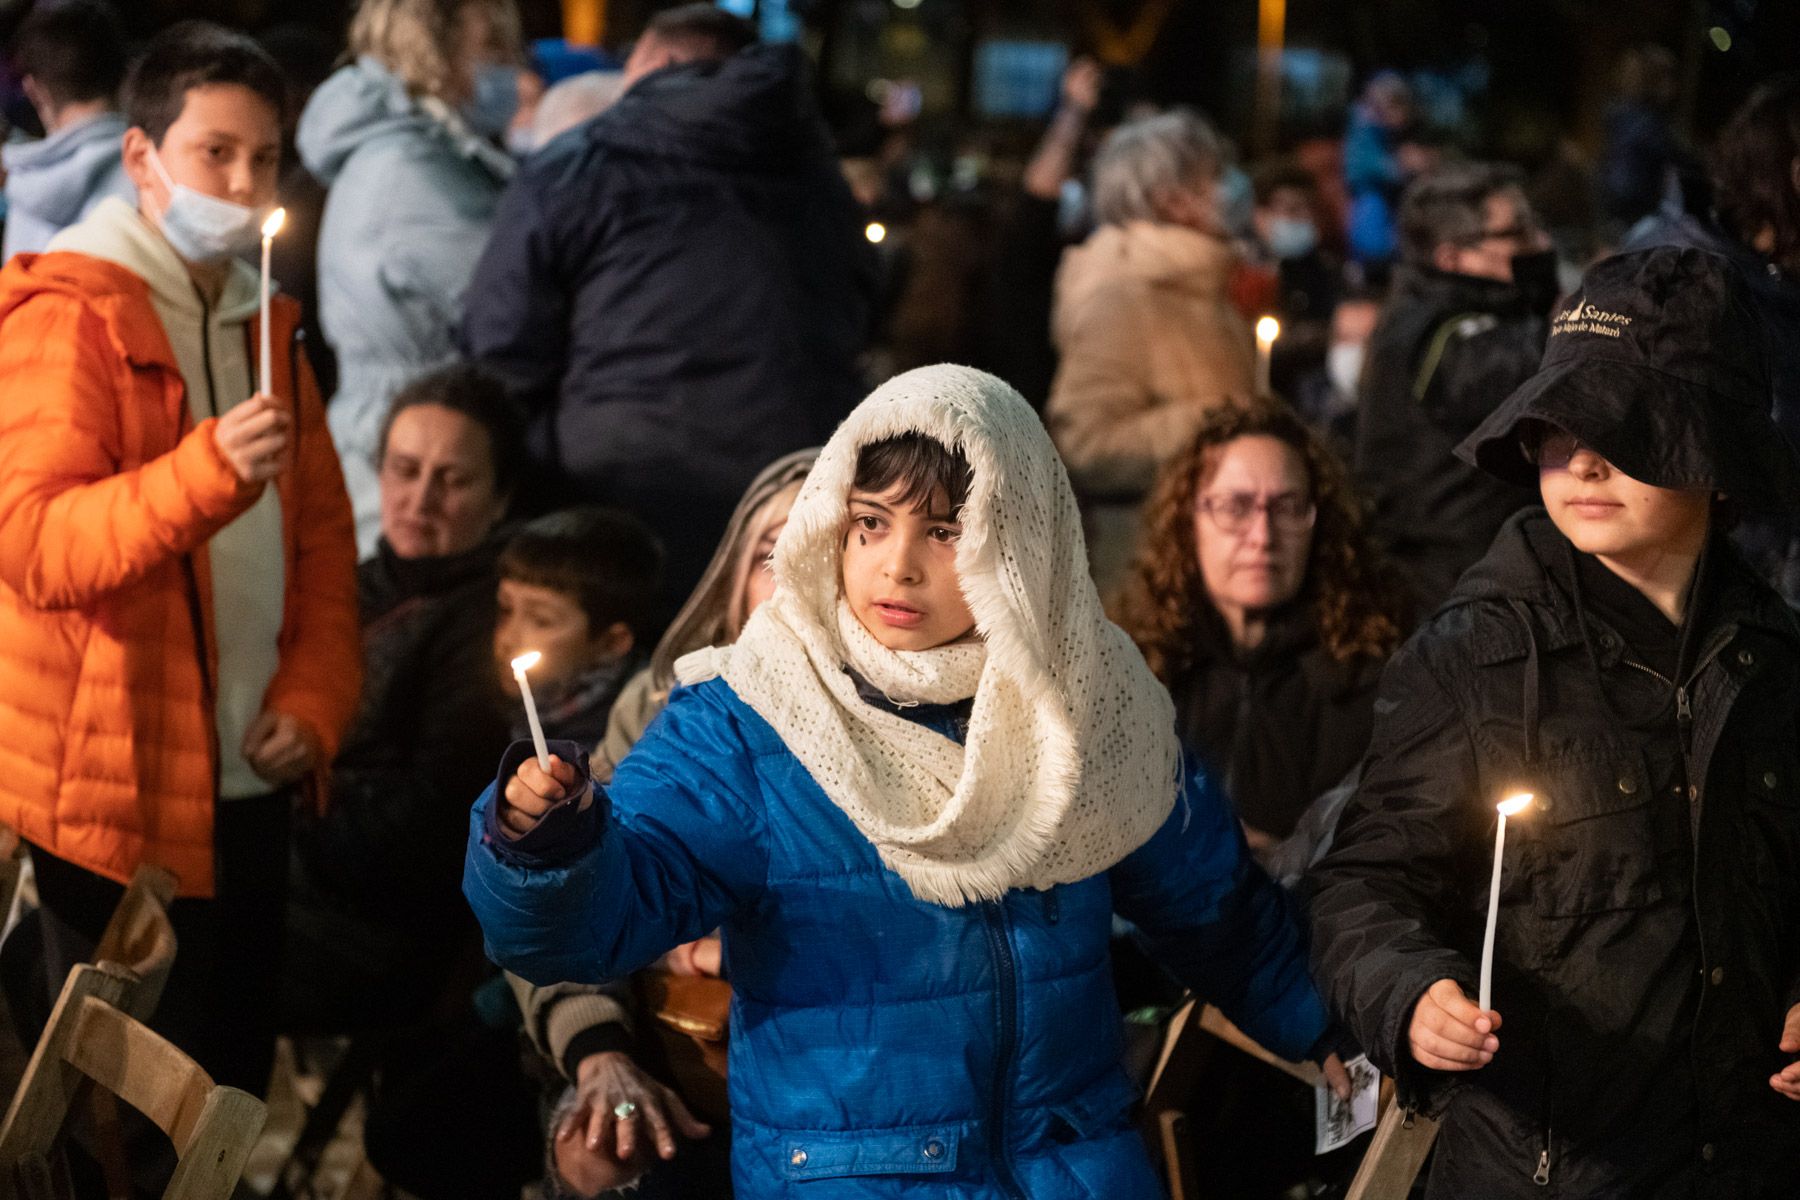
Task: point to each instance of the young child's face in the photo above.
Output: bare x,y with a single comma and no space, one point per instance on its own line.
1608,514
900,571
533,617
226,143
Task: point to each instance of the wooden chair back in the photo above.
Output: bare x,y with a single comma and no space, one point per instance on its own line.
1396,1155
90,1039
140,937
1194,1032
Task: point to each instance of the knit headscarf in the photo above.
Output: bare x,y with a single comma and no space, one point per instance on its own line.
1070,759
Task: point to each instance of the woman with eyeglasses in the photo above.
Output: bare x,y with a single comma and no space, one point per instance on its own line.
1259,600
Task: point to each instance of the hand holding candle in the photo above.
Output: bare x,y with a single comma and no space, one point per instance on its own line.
270,228
520,665
1267,330
1512,806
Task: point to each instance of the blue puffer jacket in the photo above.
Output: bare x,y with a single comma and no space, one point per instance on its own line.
891,1047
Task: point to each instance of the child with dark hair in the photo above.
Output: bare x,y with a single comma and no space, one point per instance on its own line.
71,59
1614,658
579,587
912,793
178,618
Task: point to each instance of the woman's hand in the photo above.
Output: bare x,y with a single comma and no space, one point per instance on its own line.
532,792
608,1080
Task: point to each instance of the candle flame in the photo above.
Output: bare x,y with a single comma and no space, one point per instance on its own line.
527,661
1267,330
1512,806
275,221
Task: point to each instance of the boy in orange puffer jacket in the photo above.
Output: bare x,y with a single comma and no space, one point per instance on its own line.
178,624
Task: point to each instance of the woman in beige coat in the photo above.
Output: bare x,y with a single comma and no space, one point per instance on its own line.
1150,342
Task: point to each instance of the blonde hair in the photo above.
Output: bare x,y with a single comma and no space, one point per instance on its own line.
416,39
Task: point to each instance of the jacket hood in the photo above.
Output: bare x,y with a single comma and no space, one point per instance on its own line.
754,110
53,179
1165,255
364,102
117,233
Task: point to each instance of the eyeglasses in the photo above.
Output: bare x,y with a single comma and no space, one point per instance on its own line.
1232,512
1550,449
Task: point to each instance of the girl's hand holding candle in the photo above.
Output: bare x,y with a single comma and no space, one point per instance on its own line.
543,782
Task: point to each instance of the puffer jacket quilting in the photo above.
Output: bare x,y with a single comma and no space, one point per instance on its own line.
888,1045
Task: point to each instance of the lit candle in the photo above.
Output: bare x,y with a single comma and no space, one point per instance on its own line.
1267,330
520,665
1512,806
270,228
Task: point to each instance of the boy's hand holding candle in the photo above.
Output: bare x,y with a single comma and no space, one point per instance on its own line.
534,791
1450,1032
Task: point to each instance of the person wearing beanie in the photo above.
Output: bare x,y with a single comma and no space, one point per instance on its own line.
912,794
1613,656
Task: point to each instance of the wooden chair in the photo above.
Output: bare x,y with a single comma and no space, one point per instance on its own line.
140,938
90,1040
1397,1154
1194,1032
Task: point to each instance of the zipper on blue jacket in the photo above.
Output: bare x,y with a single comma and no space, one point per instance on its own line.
1006,986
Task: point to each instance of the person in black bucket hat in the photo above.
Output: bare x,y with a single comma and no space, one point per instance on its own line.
1615,657
1657,363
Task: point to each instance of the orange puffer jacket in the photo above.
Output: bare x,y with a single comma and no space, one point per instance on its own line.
108,496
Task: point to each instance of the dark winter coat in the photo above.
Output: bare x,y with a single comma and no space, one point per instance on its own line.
376,879
677,290
1447,350
1280,724
1649,928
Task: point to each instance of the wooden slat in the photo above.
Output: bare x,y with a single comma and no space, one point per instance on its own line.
51,1081
141,1068
1217,1024
1396,1155
227,1130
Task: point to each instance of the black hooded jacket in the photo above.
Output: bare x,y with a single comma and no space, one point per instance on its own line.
1447,350
1649,926
677,290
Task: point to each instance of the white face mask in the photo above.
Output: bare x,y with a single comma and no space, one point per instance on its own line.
203,228
1343,363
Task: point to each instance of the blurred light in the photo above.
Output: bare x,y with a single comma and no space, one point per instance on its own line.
1721,37
1267,330
876,232
907,3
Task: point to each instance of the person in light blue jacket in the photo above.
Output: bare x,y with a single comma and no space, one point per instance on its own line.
912,794
71,58
403,138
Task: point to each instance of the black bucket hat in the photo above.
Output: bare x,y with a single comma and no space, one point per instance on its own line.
1657,364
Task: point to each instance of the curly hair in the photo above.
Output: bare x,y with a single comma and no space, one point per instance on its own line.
1358,602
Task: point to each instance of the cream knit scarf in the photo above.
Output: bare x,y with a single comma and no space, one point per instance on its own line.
1070,760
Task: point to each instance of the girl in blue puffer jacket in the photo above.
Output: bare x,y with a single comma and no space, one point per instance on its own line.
912,795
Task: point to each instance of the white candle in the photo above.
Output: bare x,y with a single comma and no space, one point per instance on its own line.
520,665
1267,330
1512,806
270,228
